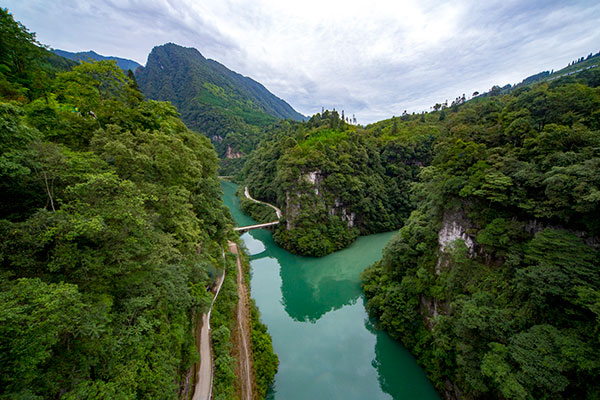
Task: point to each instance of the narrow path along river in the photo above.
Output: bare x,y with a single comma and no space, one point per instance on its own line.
314,309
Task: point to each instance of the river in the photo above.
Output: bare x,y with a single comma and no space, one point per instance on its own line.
314,308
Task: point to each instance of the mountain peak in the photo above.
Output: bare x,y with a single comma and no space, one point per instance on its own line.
182,74
211,98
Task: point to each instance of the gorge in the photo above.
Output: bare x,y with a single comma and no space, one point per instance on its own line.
314,308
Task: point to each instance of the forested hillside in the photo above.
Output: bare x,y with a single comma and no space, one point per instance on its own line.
112,228
213,100
335,180
494,281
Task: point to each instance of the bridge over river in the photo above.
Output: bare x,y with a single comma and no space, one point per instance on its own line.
243,229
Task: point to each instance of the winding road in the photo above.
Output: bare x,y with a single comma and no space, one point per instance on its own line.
204,375
259,226
277,210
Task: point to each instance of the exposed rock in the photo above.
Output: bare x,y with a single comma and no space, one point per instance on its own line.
314,178
455,226
452,391
232,154
429,311
348,217
313,181
292,209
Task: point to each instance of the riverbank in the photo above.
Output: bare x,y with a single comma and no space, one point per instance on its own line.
242,333
314,308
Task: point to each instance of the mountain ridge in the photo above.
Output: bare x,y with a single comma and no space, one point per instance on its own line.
123,63
271,105
222,104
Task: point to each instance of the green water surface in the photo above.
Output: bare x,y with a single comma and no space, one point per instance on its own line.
314,309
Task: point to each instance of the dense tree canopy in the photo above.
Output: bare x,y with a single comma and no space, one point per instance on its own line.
510,308
335,181
112,225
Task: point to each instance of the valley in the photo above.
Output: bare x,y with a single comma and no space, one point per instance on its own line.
327,346
175,230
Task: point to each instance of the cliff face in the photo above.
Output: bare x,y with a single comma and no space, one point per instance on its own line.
310,189
453,286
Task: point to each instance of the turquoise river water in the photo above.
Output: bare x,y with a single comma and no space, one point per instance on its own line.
314,308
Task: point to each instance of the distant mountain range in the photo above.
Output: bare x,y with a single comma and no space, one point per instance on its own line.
123,63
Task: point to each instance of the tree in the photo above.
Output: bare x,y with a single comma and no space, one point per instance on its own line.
394,126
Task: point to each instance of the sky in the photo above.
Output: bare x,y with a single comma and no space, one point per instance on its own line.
371,58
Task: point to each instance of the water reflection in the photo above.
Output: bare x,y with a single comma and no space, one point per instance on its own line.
314,309
311,286
408,383
254,247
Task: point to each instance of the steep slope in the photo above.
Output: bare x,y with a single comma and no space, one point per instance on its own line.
583,64
112,226
122,63
213,100
493,282
335,181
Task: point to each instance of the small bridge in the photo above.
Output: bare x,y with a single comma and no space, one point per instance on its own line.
259,226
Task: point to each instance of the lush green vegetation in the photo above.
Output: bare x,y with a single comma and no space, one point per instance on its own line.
111,220
265,361
335,181
510,309
227,107
261,213
222,321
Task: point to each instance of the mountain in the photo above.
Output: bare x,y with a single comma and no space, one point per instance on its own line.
334,180
122,63
220,103
575,67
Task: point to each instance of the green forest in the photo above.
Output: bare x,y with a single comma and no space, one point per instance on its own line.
509,306
335,180
112,229
492,280
228,108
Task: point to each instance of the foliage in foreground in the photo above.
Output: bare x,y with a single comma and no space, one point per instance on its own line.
110,216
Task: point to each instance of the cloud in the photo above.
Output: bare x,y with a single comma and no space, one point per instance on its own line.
374,59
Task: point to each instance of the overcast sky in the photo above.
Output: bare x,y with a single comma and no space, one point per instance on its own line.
373,58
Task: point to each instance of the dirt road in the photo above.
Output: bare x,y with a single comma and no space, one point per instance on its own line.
243,318
203,389
277,210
